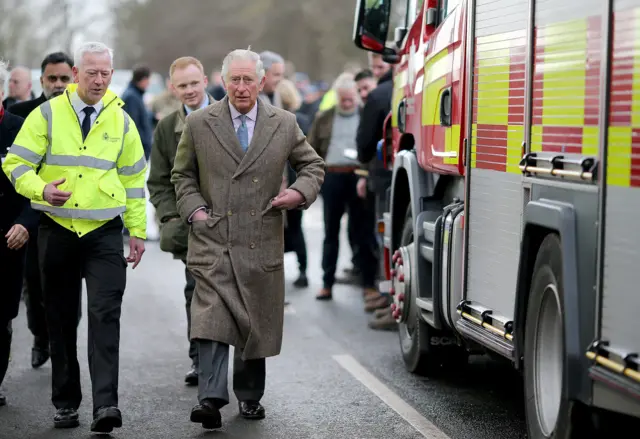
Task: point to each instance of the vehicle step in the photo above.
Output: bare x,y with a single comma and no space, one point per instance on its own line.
486,338
424,304
426,251
429,230
625,364
485,318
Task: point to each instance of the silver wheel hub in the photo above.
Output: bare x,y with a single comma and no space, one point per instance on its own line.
401,282
548,360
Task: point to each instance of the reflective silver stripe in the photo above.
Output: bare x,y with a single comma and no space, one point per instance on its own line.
87,162
18,172
45,109
26,154
133,169
125,131
89,214
137,192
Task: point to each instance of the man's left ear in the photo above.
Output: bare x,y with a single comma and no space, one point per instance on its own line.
264,78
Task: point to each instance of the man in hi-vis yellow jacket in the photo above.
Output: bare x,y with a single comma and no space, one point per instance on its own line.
79,159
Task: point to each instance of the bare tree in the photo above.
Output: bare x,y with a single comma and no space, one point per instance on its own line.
315,36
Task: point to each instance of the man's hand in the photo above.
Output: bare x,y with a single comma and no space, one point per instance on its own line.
199,215
17,236
361,188
288,199
55,196
136,249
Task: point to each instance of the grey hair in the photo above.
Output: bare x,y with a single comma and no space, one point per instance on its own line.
345,81
4,73
91,47
270,58
242,55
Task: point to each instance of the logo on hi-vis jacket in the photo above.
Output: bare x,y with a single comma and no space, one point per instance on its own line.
106,138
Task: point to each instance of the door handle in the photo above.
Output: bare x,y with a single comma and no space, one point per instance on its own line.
445,107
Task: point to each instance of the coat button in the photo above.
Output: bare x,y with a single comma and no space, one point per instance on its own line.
254,179
252,245
253,212
229,213
76,204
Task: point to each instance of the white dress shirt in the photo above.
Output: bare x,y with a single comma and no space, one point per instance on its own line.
79,105
250,121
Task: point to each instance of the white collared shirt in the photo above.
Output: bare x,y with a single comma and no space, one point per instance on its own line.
252,116
79,105
205,102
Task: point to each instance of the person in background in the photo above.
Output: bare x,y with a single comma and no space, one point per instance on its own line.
366,82
274,73
333,133
92,179
294,234
188,83
134,105
19,87
164,104
17,220
370,130
227,179
216,86
56,75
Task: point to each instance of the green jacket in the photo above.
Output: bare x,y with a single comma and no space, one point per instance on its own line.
174,232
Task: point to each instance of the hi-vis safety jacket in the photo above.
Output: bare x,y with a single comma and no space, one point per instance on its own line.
105,173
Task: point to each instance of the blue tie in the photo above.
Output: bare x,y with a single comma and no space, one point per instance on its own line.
243,133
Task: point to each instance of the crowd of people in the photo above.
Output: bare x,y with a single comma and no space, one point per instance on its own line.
230,166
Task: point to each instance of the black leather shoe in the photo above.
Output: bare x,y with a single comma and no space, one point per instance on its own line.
301,281
3,400
39,352
66,418
191,378
106,419
207,414
251,410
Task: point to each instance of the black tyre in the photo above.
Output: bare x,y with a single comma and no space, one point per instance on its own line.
420,344
549,412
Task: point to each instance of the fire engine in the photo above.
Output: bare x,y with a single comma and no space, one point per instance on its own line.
514,144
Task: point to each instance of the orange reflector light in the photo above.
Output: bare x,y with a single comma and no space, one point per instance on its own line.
381,227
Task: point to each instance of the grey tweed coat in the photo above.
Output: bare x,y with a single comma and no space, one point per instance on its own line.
236,255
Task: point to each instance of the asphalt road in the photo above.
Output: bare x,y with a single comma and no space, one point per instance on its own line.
335,378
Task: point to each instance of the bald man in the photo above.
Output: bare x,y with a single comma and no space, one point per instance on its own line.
19,86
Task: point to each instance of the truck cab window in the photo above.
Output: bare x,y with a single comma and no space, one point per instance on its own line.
446,7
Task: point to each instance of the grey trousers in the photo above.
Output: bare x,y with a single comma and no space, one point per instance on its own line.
213,366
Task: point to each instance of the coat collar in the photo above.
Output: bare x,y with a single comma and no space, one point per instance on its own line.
182,115
222,126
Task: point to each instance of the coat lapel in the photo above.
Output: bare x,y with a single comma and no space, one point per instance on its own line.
222,127
265,127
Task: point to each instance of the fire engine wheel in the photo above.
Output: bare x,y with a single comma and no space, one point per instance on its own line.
419,354
549,412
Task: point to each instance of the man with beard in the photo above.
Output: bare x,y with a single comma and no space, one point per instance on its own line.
56,74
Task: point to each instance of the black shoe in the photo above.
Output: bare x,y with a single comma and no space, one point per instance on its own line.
301,281
191,378
207,414
106,419
66,418
39,352
3,400
251,410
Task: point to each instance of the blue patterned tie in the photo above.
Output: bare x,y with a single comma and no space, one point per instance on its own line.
243,133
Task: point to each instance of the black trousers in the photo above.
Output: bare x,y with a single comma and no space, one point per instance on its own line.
294,238
188,295
339,196
65,259
33,298
11,271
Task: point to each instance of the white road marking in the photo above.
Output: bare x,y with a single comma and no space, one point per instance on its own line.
288,309
408,413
